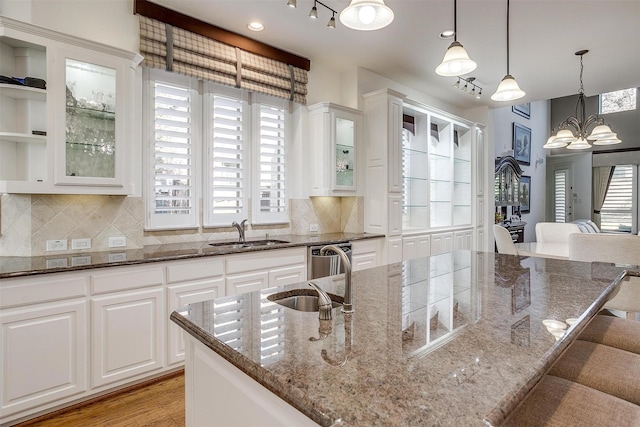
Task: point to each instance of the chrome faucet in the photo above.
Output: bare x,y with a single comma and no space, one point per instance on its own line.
324,302
240,227
347,306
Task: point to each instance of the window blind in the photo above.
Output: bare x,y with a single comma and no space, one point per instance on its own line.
271,206
560,191
173,185
177,50
227,200
617,210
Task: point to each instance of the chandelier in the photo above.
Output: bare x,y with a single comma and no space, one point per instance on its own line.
573,132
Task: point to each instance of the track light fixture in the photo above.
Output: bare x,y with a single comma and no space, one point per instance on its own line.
469,85
292,3
313,14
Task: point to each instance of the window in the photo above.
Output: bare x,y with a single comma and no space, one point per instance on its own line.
271,204
243,140
617,210
172,152
561,191
620,100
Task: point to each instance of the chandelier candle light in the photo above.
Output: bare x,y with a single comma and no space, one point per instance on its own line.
565,137
456,61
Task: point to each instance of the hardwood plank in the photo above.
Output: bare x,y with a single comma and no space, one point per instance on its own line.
157,404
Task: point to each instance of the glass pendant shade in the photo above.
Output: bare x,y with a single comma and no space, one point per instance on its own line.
608,141
579,144
366,15
292,3
565,135
601,132
553,143
456,62
508,90
314,13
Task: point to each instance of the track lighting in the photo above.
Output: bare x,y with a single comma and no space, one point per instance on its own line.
332,21
292,3
314,11
313,14
473,88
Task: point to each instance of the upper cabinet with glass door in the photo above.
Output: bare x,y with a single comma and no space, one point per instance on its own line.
80,127
333,149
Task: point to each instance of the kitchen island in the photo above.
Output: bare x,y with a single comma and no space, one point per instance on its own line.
454,339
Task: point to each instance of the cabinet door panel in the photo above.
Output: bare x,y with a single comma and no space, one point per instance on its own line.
287,275
180,295
242,283
44,355
126,335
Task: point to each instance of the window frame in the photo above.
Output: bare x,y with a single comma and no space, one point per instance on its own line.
154,221
635,98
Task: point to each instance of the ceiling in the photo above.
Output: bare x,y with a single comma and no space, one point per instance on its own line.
545,34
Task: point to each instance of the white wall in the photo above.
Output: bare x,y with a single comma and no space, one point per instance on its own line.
500,131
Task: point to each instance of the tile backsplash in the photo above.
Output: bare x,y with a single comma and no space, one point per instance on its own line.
28,221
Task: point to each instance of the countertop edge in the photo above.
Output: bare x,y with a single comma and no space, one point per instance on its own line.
284,391
500,413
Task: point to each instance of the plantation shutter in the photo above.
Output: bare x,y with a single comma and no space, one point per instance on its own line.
560,191
173,147
616,213
271,329
177,50
232,322
227,190
271,205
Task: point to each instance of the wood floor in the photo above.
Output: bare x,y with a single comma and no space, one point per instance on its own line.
160,404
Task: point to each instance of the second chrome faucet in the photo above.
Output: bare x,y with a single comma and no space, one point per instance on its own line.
347,306
240,227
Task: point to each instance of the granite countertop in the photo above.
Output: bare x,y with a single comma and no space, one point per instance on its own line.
56,262
454,339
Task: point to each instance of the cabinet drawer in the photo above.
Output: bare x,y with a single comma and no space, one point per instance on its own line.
37,289
243,283
120,279
194,270
287,275
265,260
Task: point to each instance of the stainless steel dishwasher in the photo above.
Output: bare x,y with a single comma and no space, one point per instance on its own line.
329,264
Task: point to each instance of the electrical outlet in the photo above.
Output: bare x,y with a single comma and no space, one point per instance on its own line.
56,245
117,242
80,244
313,228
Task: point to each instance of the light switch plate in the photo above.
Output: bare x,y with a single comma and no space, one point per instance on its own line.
117,257
80,244
117,242
313,227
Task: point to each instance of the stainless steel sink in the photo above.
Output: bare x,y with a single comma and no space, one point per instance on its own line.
247,244
302,299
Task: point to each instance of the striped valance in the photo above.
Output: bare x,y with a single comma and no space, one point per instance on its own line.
177,50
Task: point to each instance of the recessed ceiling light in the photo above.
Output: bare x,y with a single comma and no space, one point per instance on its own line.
447,34
255,26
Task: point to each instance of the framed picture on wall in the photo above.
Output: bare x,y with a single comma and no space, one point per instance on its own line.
523,110
525,194
521,144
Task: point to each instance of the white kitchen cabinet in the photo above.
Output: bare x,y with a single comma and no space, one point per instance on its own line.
416,246
394,249
334,135
190,282
366,254
65,139
44,355
463,239
265,269
127,323
441,243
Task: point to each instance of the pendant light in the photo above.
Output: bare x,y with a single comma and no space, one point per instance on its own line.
456,61
366,15
508,89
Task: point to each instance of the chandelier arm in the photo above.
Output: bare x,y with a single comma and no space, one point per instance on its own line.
573,122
